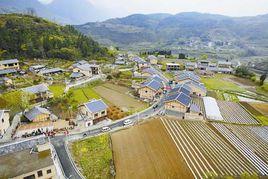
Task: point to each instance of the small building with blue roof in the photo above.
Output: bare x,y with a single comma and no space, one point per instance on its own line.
94,111
150,89
179,102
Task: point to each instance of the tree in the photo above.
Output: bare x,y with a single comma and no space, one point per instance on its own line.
262,78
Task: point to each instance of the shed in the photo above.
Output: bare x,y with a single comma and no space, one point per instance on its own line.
212,109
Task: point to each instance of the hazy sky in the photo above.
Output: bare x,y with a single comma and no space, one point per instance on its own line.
225,7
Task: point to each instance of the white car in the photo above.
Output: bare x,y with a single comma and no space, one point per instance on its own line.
106,129
127,122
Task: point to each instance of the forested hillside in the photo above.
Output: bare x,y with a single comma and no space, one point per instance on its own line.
33,37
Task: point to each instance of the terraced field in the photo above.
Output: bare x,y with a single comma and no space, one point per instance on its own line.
205,152
253,148
234,113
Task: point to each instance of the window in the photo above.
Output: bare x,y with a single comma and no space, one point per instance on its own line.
29,177
40,173
103,112
146,91
96,115
173,106
49,171
3,120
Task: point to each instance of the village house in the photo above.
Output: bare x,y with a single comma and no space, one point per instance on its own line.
9,64
150,90
178,102
94,111
141,63
40,92
39,114
225,67
28,164
4,121
181,88
190,66
148,72
36,68
51,71
37,121
203,64
186,77
173,66
152,59
82,70
197,89
6,72
86,69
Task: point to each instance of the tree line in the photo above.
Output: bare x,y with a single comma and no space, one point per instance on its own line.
32,37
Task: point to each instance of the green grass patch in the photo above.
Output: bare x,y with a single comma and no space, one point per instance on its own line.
57,89
219,83
263,89
93,156
84,94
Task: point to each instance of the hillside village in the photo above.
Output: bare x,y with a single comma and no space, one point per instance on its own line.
175,91
70,108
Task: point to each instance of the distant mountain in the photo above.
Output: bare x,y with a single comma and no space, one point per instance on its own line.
62,11
161,30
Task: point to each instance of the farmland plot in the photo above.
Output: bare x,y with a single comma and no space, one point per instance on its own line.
251,139
234,113
246,150
205,152
147,151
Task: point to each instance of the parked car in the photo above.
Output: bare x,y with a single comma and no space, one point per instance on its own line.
106,129
127,122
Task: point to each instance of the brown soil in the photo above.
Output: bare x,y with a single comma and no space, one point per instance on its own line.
147,151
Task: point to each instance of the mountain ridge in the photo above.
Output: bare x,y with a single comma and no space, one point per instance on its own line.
141,30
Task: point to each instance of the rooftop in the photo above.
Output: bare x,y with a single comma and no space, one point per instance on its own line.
16,164
35,111
197,84
180,97
96,106
51,70
153,84
4,62
36,89
7,71
181,88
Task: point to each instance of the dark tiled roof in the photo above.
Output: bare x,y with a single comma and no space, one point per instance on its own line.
153,84
36,89
52,70
181,88
96,106
157,78
3,62
7,71
198,85
76,75
34,112
180,97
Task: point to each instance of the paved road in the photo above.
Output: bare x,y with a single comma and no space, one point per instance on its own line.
69,170
59,142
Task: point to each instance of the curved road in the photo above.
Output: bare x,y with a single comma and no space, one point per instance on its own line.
58,142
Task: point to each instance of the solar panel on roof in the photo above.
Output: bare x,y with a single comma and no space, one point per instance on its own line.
96,106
